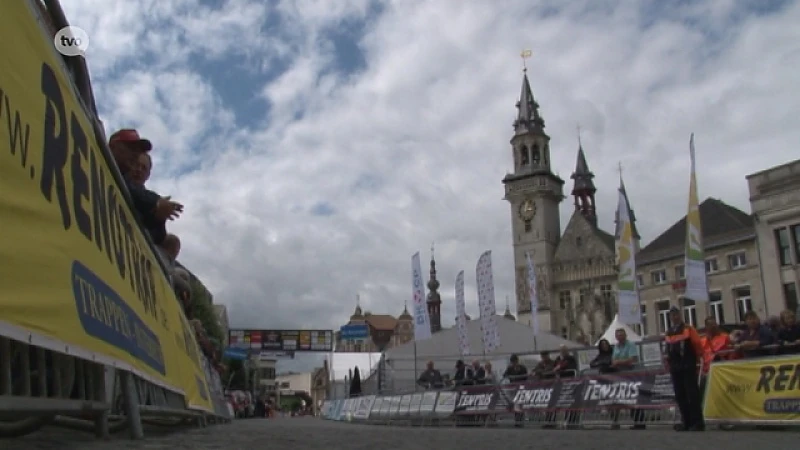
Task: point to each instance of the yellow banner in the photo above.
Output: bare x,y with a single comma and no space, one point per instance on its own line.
75,270
754,390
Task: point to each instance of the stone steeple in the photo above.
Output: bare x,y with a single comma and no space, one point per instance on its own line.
584,190
434,299
528,118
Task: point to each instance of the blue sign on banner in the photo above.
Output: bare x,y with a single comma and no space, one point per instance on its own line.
235,353
356,331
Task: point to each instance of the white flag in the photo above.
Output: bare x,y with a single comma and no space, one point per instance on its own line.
533,294
461,316
422,323
486,302
628,292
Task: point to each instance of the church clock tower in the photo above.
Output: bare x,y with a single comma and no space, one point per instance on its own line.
534,193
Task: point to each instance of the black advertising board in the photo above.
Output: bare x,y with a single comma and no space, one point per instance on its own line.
631,389
283,340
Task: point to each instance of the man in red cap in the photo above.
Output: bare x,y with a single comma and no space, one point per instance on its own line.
126,146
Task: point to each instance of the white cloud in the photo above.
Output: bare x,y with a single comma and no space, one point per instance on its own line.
412,148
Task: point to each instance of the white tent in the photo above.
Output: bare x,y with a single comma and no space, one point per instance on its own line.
443,349
616,324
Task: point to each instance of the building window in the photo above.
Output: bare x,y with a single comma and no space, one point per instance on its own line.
641,328
744,303
528,226
715,304
689,311
564,333
585,296
565,300
639,280
659,276
711,265
663,315
796,234
790,296
680,272
605,292
784,246
737,260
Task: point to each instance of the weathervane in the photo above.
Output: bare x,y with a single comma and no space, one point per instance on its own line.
578,128
619,169
525,55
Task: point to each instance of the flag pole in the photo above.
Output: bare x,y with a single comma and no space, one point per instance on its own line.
415,366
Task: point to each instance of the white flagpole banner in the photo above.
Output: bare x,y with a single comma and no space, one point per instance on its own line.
422,323
486,301
461,315
533,294
628,292
695,264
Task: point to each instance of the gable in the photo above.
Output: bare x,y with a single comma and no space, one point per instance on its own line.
582,240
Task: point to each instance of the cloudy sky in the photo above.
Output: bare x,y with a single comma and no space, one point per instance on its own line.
317,144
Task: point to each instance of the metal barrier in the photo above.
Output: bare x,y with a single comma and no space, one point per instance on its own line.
635,398
48,383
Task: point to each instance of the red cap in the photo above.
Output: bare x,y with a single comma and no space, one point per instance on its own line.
131,136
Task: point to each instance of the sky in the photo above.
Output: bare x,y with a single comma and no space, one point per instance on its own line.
318,144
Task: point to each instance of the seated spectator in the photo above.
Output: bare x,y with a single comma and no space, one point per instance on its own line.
431,378
755,337
478,373
602,362
463,375
565,365
489,377
544,369
126,147
789,334
515,372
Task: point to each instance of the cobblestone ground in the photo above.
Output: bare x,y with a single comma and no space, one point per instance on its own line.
316,434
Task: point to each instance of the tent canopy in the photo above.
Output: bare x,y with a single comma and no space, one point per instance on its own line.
612,329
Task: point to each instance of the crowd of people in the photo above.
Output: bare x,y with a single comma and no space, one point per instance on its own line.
131,154
687,356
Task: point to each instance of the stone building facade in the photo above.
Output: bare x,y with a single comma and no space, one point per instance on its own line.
732,267
576,269
775,202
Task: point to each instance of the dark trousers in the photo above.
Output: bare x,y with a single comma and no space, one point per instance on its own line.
687,395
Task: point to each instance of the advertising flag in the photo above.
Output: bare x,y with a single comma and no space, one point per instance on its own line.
695,265
422,322
486,302
533,294
461,315
628,295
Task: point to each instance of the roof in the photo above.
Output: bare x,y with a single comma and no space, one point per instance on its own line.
381,321
721,224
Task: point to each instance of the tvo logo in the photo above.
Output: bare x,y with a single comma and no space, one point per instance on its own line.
71,41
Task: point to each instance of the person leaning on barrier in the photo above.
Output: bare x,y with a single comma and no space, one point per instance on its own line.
753,340
515,372
716,347
683,355
478,373
789,334
430,378
625,356
463,375
602,362
566,365
488,374
543,370
180,283
126,147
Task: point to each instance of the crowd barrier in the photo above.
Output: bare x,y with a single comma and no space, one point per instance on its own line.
640,397
91,333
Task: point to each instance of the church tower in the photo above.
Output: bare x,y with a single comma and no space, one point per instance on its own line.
434,299
583,190
534,193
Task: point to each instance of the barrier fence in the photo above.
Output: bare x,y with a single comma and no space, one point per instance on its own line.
758,391
92,335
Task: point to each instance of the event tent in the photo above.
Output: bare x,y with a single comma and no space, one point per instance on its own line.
612,329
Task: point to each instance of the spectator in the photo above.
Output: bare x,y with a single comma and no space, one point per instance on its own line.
463,375
565,365
172,248
625,356
755,337
789,334
126,147
515,372
140,170
774,325
478,373
183,289
430,378
716,344
489,377
544,370
602,362
684,352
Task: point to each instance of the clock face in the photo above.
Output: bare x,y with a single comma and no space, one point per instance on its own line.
527,210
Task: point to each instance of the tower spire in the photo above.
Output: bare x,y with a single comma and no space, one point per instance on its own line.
528,118
584,189
434,299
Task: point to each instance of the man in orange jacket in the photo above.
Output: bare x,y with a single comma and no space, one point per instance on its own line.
684,353
715,343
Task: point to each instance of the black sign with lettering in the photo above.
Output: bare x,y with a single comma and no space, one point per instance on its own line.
640,388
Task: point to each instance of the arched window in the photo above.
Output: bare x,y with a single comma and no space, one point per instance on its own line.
536,156
523,156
